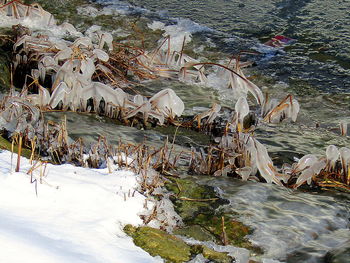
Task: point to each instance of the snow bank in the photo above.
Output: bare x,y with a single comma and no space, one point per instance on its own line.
77,215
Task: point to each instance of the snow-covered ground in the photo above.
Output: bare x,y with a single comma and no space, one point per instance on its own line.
76,215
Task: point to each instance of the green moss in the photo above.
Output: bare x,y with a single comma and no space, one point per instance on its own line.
211,254
184,135
196,232
5,58
236,232
4,71
6,145
203,219
302,87
159,243
190,198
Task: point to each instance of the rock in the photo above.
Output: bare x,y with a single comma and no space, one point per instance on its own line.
196,232
340,255
191,198
211,254
203,220
6,145
159,243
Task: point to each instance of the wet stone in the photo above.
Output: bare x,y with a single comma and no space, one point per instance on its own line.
171,248
196,232
199,207
159,243
340,255
6,145
211,254
190,199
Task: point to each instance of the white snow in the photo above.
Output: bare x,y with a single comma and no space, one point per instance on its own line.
76,216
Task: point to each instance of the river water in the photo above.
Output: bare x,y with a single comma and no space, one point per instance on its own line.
315,67
291,226
320,54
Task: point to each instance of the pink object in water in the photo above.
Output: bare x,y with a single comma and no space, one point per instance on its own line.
279,41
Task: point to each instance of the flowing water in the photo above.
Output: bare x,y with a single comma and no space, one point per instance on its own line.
291,226
315,68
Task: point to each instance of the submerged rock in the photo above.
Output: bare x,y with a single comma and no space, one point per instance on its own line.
199,207
190,199
340,255
196,232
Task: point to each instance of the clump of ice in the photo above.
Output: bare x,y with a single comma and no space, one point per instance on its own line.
156,25
178,32
240,255
121,7
88,11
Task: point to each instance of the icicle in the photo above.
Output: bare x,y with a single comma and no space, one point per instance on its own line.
168,103
100,54
294,110
138,99
44,95
106,38
345,160
343,128
265,165
69,28
305,162
87,68
332,154
244,172
59,94
82,41
242,109
313,170
63,54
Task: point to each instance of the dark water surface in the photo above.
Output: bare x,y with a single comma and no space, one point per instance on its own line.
320,55
315,68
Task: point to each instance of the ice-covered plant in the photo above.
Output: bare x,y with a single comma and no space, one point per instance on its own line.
332,154
345,161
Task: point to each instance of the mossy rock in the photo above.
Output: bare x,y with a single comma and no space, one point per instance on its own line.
159,243
211,254
236,231
203,220
196,232
187,137
191,198
169,247
6,145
